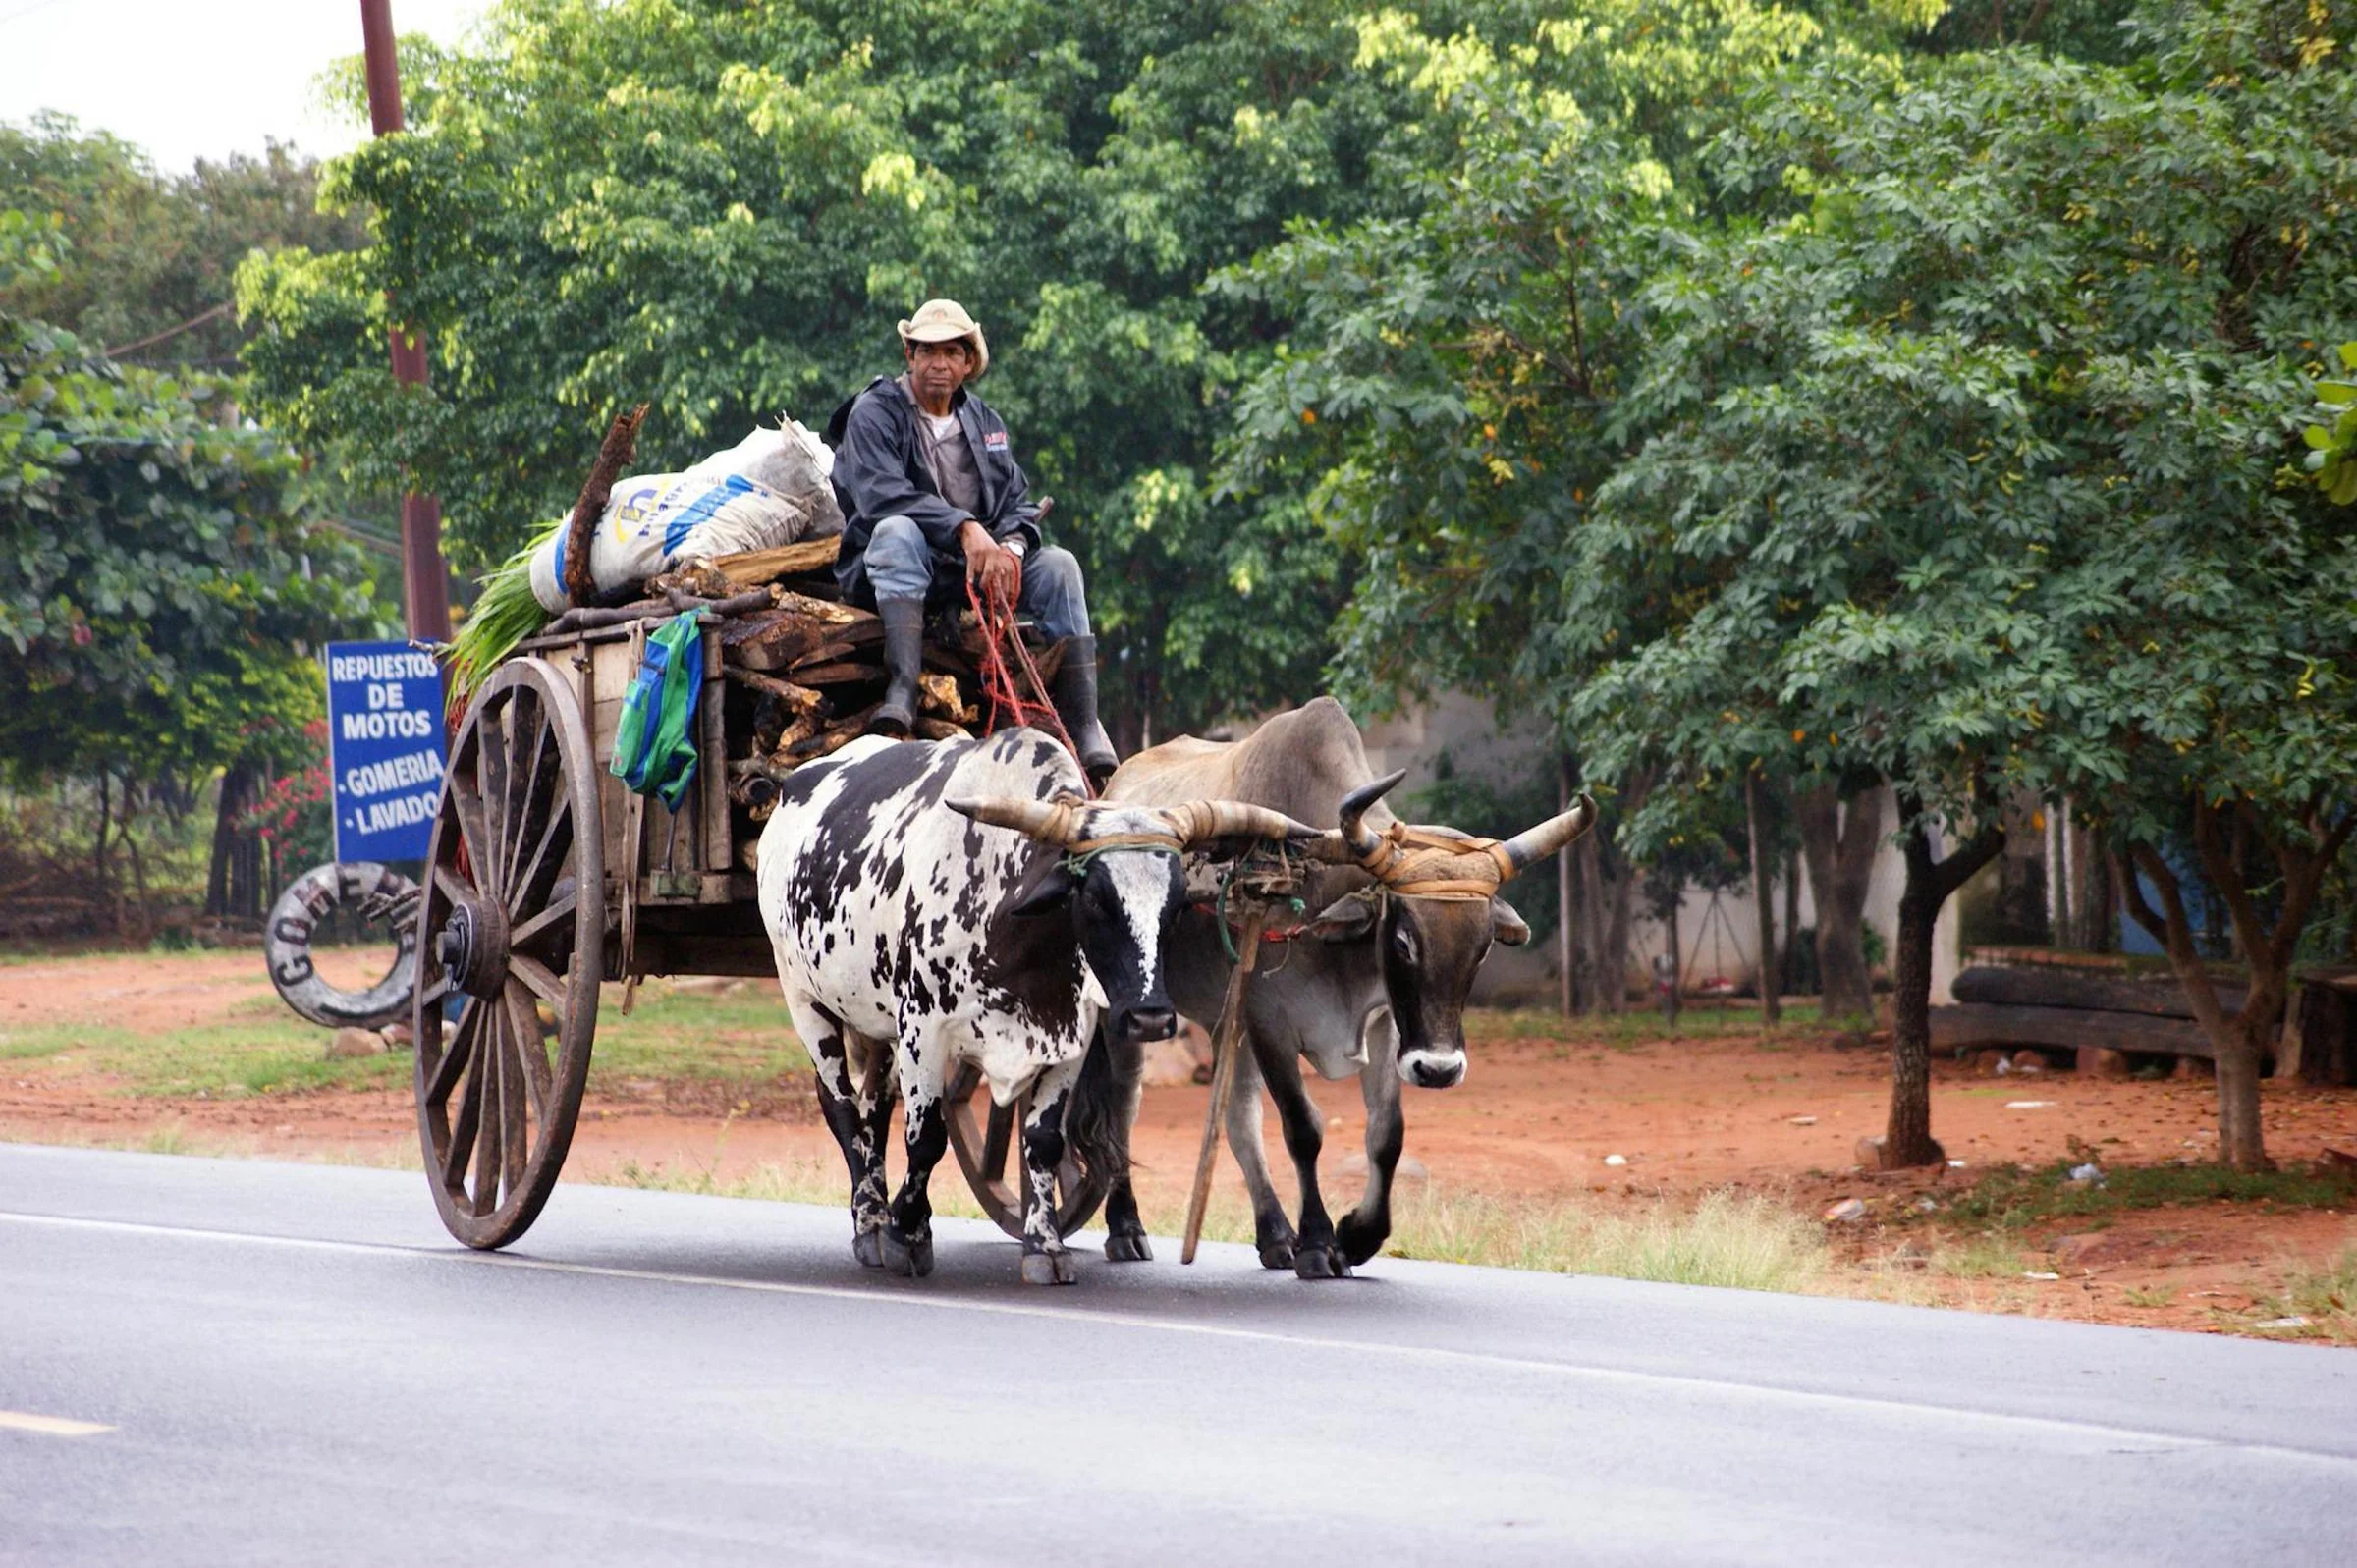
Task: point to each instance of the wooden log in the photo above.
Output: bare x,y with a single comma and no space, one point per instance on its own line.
802,699
1972,1024
942,730
836,675
2050,987
752,566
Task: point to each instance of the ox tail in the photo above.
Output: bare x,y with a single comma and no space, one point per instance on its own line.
1096,1124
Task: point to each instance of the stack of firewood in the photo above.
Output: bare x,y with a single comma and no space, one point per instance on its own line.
813,665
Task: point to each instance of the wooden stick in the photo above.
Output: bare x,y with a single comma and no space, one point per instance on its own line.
802,699
614,454
1224,1042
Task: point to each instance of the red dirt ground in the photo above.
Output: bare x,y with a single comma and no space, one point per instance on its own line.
1535,1119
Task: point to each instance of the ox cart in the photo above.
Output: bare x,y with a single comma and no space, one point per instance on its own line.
548,877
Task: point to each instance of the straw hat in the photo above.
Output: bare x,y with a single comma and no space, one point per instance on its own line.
943,321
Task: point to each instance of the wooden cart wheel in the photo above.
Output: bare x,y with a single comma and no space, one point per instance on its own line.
985,1137
513,925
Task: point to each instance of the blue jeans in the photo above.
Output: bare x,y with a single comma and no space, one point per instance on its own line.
900,565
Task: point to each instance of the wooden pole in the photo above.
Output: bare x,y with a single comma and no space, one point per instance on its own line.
1224,1041
424,579
1772,1008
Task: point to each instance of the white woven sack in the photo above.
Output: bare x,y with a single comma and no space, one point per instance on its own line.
770,489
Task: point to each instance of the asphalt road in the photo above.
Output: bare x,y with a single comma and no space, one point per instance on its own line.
292,1364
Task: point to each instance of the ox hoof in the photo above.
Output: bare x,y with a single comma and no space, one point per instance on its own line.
1128,1247
1277,1255
1320,1263
900,1256
868,1248
1049,1269
1359,1242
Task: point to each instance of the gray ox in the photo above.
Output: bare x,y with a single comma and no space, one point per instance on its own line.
959,902
1373,985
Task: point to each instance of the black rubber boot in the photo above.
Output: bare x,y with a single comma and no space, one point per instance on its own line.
904,659
1075,697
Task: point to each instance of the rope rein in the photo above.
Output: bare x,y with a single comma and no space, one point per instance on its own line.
1003,697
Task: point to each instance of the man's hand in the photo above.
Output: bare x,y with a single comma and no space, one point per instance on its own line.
997,569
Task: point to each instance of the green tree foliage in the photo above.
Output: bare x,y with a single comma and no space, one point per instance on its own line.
161,601
722,209
2333,442
151,252
1950,446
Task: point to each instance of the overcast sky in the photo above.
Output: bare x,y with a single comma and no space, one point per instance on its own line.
191,79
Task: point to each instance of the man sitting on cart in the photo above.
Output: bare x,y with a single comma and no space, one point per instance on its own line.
932,497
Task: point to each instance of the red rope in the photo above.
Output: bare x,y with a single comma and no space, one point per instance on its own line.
999,689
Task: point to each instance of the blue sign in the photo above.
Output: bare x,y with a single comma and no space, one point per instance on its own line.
386,751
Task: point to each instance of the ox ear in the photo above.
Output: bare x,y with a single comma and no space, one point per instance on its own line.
1506,927
1348,918
1045,894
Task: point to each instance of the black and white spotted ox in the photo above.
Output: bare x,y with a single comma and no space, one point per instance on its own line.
954,902
1373,985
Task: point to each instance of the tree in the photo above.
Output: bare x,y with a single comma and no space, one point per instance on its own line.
161,601
1995,405
154,258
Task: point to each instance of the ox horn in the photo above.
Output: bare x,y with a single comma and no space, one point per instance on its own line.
1360,839
1532,846
1056,821
1199,821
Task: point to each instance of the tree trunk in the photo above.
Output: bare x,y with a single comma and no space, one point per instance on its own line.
1563,892
220,877
1764,895
1908,1139
1839,845
2226,836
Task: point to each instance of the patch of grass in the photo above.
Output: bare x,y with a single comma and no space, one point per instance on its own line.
2326,1296
1639,1026
245,1057
722,1041
2011,1197
2149,1295
1984,1257
1733,1239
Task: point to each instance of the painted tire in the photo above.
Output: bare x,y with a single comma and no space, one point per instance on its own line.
287,945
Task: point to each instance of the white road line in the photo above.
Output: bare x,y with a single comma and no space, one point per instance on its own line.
51,1425
2148,1443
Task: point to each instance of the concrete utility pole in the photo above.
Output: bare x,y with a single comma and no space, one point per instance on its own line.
424,579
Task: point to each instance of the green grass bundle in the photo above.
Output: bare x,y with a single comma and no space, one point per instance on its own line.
503,616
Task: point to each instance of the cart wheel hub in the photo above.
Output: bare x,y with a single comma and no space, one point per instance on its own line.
475,946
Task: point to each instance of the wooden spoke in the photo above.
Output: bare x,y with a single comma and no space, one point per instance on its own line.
463,1125
557,916
532,742
543,981
514,1139
454,1059
531,1048
491,786
997,1136
488,1117
986,1139
459,796
538,874
450,887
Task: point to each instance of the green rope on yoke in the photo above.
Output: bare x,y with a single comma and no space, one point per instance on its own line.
1285,861
1078,864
